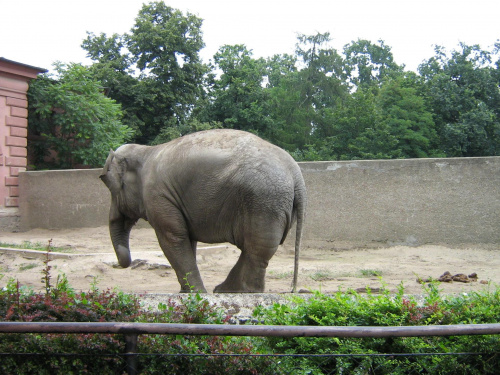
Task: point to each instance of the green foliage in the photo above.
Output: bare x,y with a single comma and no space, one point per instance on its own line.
370,272
318,104
154,71
71,121
114,68
462,88
353,309
61,303
173,131
370,64
405,115
322,275
182,353
238,98
27,266
301,100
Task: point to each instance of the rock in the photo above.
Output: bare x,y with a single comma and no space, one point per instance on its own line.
136,263
231,308
158,266
446,277
473,276
461,277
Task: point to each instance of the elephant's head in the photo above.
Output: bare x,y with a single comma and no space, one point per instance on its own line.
121,176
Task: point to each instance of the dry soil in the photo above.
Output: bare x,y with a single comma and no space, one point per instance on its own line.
90,260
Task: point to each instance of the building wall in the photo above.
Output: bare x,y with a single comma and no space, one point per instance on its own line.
14,79
374,203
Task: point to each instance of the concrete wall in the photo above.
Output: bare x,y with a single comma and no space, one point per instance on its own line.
62,199
379,202
413,202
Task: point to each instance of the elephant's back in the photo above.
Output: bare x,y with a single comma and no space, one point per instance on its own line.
222,139
242,148
224,156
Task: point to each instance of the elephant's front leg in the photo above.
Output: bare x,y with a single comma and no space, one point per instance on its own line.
182,257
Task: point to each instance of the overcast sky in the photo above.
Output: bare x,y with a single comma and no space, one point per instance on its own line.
39,32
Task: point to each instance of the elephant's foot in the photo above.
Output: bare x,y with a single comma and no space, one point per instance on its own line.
235,286
225,289
247,276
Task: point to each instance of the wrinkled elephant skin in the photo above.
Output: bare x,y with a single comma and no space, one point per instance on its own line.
212,186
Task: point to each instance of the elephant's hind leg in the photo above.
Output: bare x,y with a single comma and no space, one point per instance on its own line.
249,272
261,236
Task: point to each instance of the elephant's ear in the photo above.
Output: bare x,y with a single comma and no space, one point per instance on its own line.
105,169
113,172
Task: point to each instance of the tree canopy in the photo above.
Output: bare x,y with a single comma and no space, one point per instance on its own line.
154,71
317,103
71,122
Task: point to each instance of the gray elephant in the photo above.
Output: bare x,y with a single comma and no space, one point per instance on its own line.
212,186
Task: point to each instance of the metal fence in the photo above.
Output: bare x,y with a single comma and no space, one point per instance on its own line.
131,331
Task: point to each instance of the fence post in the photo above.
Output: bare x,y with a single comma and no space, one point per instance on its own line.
130,350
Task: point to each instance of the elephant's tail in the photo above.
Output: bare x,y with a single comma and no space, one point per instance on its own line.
299,203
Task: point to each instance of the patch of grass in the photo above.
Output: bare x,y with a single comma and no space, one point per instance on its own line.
322,275
370,273
280,275
27,266
28,245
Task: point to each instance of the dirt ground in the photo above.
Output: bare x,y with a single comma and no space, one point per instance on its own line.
92,261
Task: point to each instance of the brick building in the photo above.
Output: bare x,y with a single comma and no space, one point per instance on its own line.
14,81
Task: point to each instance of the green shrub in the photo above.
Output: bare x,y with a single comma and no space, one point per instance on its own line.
60,303
101,353
72,122
352,309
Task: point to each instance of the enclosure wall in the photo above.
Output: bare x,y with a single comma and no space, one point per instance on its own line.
376,202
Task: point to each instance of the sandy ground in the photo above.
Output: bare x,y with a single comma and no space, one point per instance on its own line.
92,261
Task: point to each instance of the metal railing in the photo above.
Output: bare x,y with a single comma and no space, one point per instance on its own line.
133,330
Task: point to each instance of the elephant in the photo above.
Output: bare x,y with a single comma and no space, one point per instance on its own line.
212,186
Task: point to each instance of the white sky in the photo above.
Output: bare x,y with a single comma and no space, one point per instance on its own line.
39,32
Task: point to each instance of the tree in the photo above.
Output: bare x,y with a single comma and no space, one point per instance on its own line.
69,115
291,115
477,133
368,64
301,100
354,131
239,100
278,67
405,115
323,76
462,88
113,66
163,46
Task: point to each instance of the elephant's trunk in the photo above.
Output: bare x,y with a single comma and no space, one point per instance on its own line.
119,229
